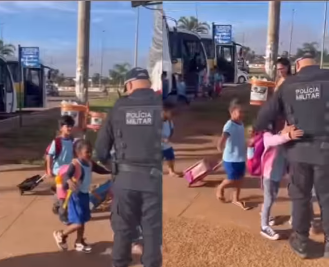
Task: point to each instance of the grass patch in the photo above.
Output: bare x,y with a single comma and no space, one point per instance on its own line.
27,145
217,111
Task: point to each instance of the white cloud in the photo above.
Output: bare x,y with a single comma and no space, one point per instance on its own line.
54,5
113,11
66,60
97,20
4,9
60,6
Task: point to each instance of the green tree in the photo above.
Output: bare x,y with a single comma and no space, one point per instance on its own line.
118,72
193,24
312,47
95,79
7,49
248,54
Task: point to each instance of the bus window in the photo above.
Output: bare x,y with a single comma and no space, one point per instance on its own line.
174,48
227,54
209,47
14,69
5,79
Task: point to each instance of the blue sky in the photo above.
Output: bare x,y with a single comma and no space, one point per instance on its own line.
52,26
249,19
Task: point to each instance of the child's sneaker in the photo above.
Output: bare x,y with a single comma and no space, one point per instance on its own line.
60,240
269,233
82,247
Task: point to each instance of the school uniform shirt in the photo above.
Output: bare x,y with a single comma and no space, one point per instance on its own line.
235,147
167,128
86,175
65,156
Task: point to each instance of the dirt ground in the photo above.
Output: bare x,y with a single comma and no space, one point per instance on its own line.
207,233
198,231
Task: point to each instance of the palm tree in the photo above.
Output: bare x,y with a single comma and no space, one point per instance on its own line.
6,49
193,24
118,73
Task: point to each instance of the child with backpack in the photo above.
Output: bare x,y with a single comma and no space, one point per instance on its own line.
273,167
59,153
168,152
232,144
218,82
77,179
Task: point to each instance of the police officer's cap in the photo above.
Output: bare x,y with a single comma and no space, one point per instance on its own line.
136,74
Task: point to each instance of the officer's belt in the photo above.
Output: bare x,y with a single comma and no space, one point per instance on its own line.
130,168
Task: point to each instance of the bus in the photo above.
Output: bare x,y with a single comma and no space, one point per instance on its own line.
188,57
226,59
30,88
208,44
8,97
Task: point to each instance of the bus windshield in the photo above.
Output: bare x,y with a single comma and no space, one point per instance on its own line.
186,46
209,47
14,69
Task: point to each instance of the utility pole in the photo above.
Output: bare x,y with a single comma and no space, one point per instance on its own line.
291,31
136,38
101,61
82,71
324,35
197,11
2,26
272,38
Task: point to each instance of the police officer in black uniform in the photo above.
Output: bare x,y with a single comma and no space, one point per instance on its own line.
133,131
303,100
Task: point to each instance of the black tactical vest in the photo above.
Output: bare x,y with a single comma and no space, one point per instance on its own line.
306,105
137,128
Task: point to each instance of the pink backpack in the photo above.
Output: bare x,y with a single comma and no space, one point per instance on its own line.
254,155
60,190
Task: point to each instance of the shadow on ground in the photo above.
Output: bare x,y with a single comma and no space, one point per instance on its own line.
100,257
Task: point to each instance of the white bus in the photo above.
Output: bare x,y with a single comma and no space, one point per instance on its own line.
8,97
188,57
224,58
174,51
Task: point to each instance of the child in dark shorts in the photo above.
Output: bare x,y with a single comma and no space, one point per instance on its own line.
233,146
168,153
78,203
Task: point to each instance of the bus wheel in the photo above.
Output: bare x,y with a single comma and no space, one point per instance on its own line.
241,80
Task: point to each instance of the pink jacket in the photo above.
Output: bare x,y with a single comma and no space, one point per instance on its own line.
270,156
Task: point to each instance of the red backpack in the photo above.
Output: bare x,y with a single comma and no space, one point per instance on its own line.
58,147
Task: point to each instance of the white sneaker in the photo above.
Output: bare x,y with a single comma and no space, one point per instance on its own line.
82,247
269,233
60,240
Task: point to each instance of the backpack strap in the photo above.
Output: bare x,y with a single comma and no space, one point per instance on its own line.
78,169
58,147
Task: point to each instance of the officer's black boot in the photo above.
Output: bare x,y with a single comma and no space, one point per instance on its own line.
299,244
326,248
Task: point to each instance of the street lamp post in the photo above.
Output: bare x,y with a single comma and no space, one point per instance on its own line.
136,38
291,31
1,31
324,33
101,60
